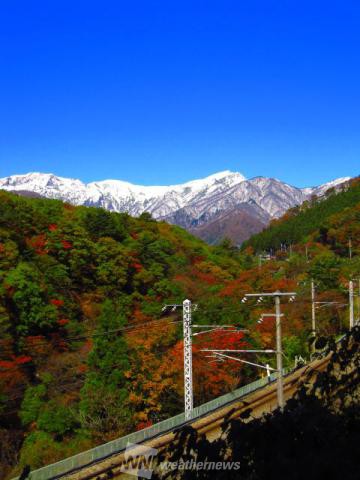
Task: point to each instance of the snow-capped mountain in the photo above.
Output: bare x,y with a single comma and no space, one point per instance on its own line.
119,196
215,203
319,191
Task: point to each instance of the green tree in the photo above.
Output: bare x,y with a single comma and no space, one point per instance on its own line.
28,297
105,392
56,419
33,402
101,223
111,265
325,270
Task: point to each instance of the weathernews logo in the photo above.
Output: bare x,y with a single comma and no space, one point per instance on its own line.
195,465
138,461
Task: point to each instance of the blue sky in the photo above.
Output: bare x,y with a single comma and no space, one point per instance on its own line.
158,92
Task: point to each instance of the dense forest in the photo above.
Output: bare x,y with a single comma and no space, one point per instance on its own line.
86,354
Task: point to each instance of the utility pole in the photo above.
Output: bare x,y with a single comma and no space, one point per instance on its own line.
279,366
350,249
188,381
188,376
313,314
188,307
351,304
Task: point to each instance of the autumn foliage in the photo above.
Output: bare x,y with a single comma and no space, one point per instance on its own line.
86,353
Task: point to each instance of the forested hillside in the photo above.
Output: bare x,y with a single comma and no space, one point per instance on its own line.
312,215
86,354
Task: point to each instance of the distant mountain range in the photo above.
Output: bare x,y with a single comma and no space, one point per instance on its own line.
225,204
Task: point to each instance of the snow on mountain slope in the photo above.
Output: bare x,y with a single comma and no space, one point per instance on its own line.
319,191
50,186
162,200
271,196
120,196
215,200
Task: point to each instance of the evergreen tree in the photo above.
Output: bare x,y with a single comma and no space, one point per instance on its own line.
105,392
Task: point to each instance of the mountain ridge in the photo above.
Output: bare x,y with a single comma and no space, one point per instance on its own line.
192,205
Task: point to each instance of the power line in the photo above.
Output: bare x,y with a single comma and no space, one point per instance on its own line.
129,328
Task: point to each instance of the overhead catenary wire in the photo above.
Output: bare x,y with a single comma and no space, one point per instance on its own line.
222,355
130,329
86,336
66,372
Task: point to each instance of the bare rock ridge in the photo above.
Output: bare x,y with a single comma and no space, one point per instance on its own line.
223,204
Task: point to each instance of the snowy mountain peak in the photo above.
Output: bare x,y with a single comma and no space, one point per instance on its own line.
193,204
119,195
222,175
226,177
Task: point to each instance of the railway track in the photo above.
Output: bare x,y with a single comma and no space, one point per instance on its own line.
260,401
